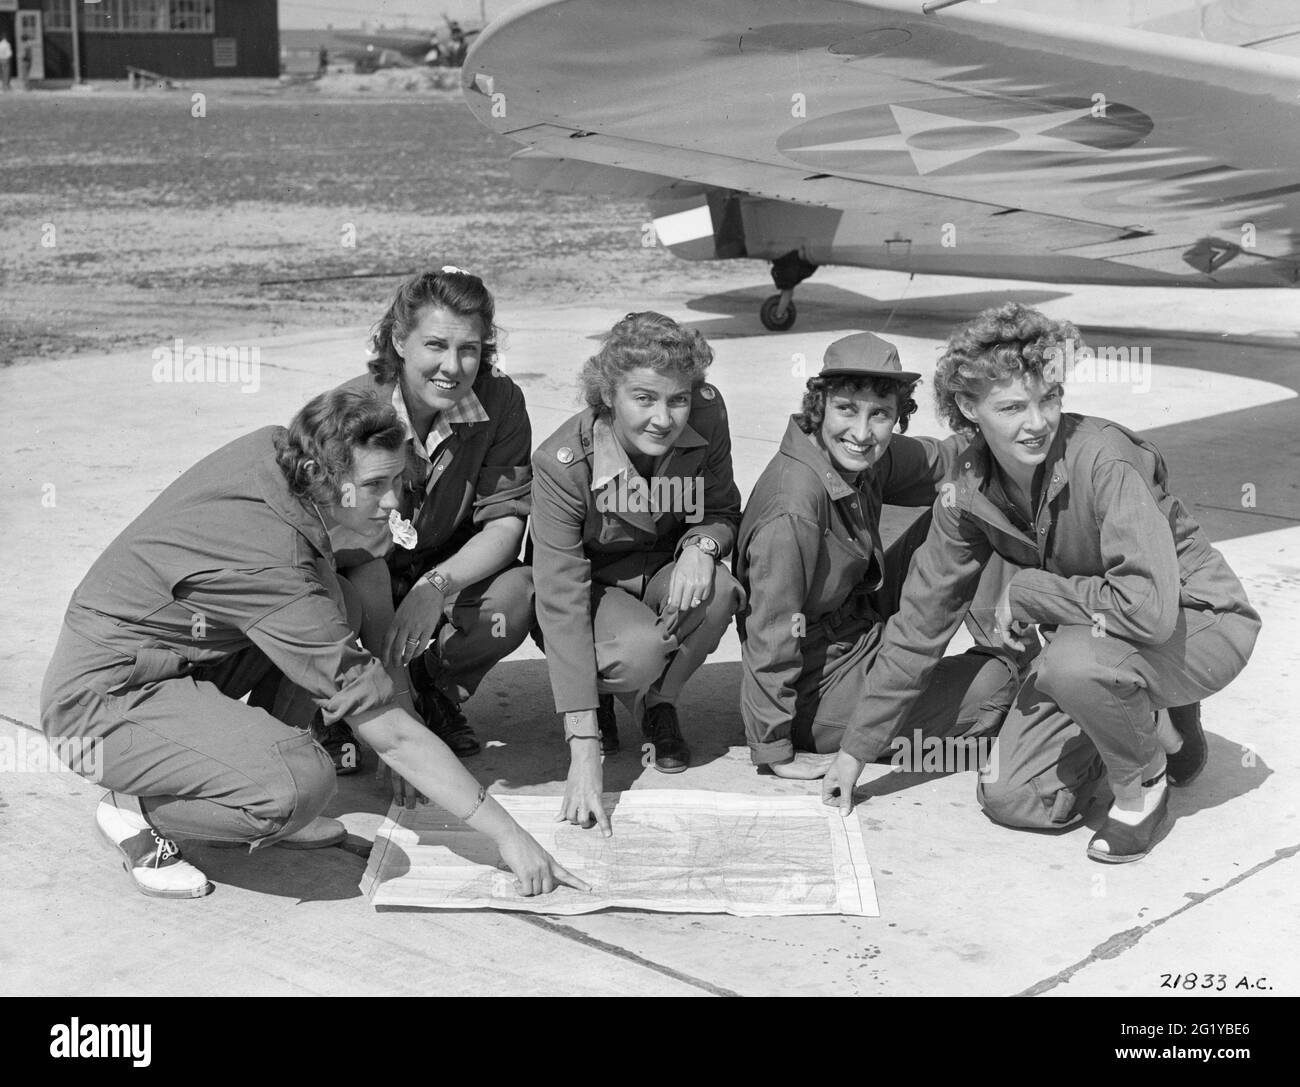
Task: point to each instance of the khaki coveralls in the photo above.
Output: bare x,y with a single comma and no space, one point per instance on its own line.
1139,612
476,470
820,589
602,574
223,579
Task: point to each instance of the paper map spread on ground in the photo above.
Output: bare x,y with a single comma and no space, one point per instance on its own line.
674,851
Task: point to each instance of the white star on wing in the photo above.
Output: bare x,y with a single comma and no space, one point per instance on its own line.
1025,133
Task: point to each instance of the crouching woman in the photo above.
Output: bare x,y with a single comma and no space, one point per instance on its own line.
1139,612
227,577
634,509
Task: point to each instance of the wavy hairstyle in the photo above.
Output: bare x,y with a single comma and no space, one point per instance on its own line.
646,339
461,292
812,412
319,449
1003,342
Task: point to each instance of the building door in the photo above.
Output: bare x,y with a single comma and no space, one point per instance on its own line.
28,34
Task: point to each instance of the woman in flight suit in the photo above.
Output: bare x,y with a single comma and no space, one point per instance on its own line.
821,587
227,576
1139,611
634,508
461,590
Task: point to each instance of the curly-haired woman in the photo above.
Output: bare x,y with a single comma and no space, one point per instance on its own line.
463,599
821,586
634,507
1140,613
227,577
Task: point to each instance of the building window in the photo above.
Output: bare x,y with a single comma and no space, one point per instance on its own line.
55,14
192,15
166,16
103,16
145,15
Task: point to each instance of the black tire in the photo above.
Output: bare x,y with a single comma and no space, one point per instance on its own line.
767,314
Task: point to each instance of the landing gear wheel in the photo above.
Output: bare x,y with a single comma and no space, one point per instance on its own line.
767,313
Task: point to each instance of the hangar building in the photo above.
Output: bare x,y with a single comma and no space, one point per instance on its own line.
181,39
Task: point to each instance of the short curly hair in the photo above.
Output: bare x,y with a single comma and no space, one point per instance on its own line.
461,292
646,339
1001,343
318,450
812,412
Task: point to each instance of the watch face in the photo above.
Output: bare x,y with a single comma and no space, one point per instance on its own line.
707,544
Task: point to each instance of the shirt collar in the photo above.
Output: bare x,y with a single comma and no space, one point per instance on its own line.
977,471
469,409
609,459
805,449
300,513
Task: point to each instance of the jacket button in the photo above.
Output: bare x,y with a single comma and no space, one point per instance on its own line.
1042,532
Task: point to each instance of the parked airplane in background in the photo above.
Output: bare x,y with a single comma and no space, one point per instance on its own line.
1014,140
406,48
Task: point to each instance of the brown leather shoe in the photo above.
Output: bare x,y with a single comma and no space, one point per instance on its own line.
661,728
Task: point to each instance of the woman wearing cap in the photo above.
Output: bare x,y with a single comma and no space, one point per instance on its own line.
634,508
464,600
227,576
820,584
1139,611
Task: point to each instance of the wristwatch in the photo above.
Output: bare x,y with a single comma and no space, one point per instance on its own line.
439,581
707,544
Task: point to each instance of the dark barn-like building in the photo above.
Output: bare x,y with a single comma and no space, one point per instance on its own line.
181,39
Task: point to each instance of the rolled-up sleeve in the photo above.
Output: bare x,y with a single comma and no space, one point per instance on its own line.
1137,595
936,595
562,575
781,559
289,615
504,484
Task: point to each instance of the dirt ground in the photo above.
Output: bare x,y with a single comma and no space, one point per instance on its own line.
126,219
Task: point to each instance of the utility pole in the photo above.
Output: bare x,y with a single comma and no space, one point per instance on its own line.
76,42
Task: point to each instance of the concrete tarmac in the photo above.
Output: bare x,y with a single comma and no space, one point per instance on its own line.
967,907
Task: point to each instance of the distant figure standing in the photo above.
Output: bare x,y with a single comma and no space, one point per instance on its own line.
459,47
324,65
25,66
6,55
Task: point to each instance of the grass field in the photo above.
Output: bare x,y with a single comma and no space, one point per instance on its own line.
124,219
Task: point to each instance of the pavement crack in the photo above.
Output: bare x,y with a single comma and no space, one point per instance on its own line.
20,724
1120,942
578,936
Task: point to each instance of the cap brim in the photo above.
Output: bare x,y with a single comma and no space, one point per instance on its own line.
889,375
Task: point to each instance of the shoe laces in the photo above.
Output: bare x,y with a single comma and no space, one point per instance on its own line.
164,850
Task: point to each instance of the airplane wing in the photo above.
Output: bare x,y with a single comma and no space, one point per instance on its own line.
1128,150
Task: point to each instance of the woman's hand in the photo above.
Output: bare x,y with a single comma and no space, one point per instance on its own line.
413,625
837,785
691,581
536,871
1008,629
585,787
804,766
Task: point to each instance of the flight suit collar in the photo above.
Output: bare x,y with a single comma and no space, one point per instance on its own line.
294,511
976,471
805,449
